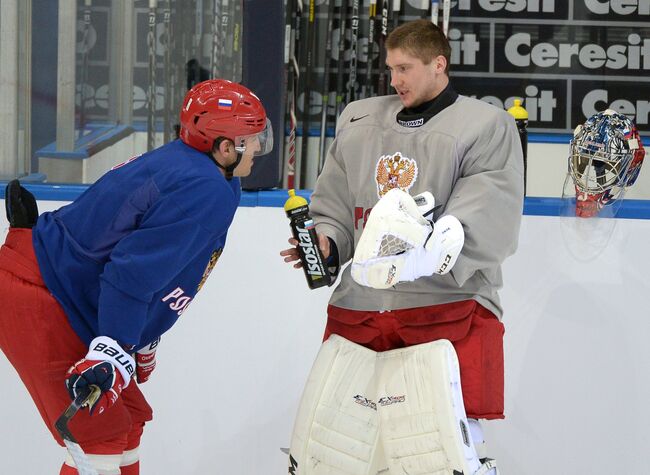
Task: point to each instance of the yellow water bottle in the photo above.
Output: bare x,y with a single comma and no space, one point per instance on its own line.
303,229
521,119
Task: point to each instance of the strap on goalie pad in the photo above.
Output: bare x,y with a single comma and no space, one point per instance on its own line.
424,426
20,206
336,428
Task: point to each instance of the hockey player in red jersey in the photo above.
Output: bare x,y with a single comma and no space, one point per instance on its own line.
88,289
423,192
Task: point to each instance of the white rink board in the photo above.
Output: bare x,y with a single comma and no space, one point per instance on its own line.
230,373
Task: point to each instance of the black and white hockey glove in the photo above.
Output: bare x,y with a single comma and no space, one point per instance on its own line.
107,366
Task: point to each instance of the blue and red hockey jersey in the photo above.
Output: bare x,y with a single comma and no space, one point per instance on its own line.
127,257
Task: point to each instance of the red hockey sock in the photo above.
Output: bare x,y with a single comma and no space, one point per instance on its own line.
133,469
68,470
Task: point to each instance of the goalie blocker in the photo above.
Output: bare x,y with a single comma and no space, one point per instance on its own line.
363,411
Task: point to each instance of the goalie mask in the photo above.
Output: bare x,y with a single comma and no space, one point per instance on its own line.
606,154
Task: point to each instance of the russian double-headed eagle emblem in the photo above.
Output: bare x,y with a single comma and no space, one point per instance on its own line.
213,261
395,171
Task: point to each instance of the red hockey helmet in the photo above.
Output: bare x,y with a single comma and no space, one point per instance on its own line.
219,108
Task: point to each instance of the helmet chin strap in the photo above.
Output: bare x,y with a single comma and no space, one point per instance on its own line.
228,170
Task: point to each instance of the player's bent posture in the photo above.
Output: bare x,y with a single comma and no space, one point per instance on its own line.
88,289
413,355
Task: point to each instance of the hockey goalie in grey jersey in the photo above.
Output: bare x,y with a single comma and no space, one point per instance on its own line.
413,355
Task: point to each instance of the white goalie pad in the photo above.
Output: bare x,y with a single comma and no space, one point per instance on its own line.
395,227
424,428
398,412
336,429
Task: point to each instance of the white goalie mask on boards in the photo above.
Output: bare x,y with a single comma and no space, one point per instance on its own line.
605,158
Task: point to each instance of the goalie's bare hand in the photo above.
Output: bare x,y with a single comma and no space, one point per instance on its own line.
292,255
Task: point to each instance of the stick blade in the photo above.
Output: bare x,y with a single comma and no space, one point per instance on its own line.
61,425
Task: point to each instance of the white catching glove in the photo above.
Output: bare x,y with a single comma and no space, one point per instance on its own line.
398,244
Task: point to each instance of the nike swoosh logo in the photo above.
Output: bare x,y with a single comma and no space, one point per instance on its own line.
354,119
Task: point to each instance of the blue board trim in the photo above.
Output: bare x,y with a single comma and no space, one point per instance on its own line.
533,206
98,138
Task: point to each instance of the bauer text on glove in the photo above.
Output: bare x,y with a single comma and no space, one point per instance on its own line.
107,366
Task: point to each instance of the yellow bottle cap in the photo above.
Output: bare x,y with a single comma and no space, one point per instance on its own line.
517,111
294,201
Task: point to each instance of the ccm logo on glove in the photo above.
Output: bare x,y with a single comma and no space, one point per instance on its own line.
448,257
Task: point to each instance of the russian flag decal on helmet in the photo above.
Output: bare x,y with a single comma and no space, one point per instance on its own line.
224,104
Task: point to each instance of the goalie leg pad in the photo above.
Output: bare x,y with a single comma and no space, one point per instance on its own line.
424,428
336,429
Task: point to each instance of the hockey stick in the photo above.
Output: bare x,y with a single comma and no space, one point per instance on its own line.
294,15
167,68
151,91
306,98
341,59
179,74
225,29
84,67
434,12
372,11
382,82
216,39
80,458
236,41
446,10
351,93
326,85
397,7
197,40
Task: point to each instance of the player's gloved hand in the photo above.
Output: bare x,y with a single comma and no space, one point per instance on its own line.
398,244
440,252
145,360
107,366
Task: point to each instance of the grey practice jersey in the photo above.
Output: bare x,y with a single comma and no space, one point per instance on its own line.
469,156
